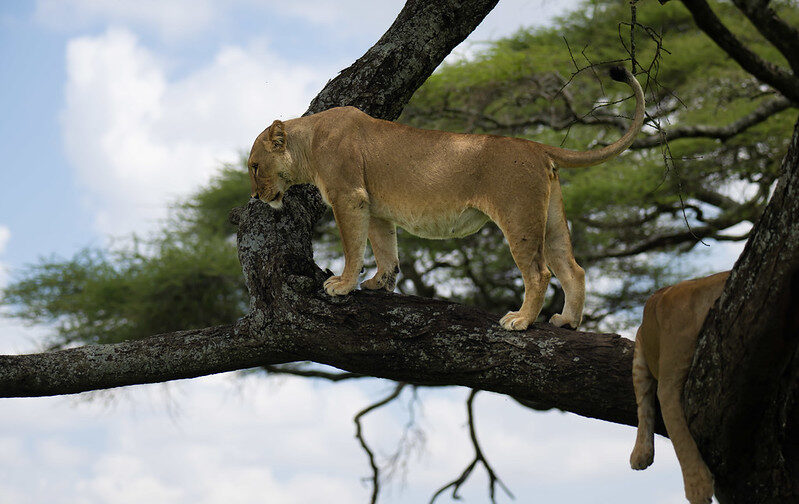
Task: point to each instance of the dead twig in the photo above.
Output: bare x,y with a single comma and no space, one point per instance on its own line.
479,457
359,435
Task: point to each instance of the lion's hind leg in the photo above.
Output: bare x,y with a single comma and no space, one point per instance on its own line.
383,238
560,259
644,384
525,235
696,476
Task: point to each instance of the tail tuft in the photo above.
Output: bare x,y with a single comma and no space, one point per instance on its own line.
617,73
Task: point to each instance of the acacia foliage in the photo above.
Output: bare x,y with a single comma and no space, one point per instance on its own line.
186,276
628,216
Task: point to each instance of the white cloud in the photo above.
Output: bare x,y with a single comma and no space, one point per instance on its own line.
238,439
138,139
170,18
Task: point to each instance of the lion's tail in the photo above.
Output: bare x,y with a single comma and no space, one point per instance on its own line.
574,159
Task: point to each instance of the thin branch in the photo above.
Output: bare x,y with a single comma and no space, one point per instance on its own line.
412,438
633,22
479,458
757,116
746,211
359,435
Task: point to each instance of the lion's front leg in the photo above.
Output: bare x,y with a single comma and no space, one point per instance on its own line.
383,238
351,212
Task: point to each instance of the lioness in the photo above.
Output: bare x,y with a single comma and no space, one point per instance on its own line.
379,174
664,349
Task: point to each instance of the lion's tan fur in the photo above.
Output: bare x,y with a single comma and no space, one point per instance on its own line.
664,349
378,174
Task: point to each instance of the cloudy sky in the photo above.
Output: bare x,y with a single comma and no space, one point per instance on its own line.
114,109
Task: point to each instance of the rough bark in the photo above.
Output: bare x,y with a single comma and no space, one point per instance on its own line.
741,394
184,354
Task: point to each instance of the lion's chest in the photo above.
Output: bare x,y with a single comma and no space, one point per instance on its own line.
438,224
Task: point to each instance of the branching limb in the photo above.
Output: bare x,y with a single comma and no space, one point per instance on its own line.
690,235
782,35
775,76
479,458
359,435
757,116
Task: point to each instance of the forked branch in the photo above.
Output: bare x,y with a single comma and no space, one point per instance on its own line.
479,458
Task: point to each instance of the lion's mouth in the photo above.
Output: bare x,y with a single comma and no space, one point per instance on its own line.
277,201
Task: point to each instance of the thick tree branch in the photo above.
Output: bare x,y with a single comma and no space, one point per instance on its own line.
777,77
782,35
403,338
184,354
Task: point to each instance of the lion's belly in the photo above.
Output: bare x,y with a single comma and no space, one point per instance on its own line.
441,225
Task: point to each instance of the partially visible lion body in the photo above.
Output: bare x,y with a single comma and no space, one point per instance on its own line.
377,174
435,184
664,349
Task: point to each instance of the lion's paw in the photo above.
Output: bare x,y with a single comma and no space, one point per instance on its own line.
560,320
337,286
699,487
381,280
642,456
514,321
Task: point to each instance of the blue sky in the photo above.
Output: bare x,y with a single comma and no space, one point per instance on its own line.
112,110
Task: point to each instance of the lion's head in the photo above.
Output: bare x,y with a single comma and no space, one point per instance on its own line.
269,165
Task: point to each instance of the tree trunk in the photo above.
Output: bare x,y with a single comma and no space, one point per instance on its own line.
741,394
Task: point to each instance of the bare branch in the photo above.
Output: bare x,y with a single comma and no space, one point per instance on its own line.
479,458
359,435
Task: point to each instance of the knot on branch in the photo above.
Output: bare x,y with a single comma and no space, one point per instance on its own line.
234,216
274,246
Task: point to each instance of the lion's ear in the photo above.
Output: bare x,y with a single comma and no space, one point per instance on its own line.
277,136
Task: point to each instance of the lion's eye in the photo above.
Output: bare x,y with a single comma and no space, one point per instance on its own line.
255,168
